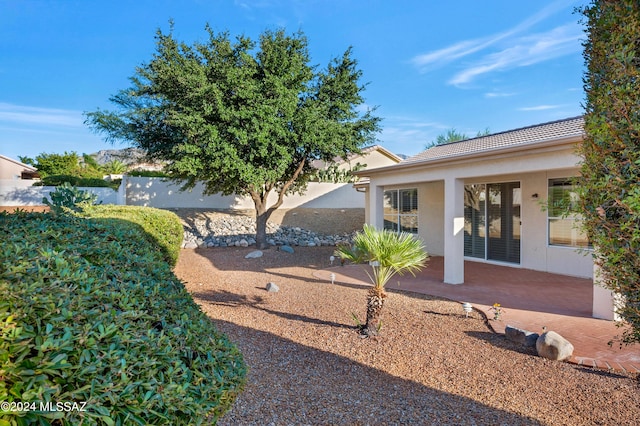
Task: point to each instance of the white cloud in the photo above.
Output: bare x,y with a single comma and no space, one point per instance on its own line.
507,50
539,108
499,94
448,54
525,51
18,114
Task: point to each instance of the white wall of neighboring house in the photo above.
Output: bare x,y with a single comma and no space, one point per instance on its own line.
372,159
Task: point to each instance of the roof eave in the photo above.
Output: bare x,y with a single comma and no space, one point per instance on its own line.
537,145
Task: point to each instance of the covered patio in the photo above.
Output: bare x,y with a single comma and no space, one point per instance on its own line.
530,299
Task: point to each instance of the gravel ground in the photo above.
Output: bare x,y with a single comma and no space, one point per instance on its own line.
430,365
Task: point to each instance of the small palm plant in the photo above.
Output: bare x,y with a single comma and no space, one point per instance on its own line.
388,253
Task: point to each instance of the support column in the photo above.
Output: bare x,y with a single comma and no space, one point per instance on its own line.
453,231
605,302
376,208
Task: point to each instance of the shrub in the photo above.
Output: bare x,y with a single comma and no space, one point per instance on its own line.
57,180
162,228
70,197
57,164
148,173
608,187
89,314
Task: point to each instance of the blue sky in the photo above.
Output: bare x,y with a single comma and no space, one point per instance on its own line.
430,66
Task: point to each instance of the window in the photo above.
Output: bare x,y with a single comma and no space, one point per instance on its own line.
401,210
564,227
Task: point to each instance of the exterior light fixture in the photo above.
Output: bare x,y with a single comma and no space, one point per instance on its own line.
331,259
333,277
466,307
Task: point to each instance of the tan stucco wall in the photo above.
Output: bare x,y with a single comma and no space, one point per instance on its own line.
531,168
431,216
372,160
10,170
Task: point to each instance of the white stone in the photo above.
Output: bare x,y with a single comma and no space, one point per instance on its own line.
254,254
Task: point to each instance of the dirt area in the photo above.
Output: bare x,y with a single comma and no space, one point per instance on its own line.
11,209
430,365
321,221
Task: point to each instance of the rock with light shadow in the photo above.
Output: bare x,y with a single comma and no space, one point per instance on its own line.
553,346
254,254
523,337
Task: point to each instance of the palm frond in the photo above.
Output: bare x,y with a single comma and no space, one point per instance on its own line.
394,253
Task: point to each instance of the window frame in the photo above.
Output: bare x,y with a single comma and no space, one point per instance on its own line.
400,214
557,213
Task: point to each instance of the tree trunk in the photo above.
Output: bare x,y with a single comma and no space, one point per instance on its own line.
375,302
262,216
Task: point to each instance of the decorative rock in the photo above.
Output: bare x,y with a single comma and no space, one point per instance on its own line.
286,249
254,254
230,231
272,288
553,346
523,337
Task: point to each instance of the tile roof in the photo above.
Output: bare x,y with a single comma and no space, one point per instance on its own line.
524,136
320,164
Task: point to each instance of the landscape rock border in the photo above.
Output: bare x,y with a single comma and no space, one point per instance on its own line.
239,231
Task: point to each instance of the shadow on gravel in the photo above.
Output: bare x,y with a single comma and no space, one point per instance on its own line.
603,373
499,341
227,298
290,383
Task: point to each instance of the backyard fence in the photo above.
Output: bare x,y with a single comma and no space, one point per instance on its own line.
17,193
161,193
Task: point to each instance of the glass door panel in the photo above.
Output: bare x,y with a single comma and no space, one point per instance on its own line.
474,220
503,222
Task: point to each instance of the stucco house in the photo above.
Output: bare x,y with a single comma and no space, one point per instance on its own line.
11,169
491,199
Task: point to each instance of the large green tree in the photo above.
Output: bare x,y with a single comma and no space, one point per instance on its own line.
67,164
243,117
55,164
610,175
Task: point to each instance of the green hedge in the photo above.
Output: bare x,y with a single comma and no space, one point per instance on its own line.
89,313
87,182
147,173
161,227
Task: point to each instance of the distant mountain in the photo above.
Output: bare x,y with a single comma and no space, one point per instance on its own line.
134,158
126,155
